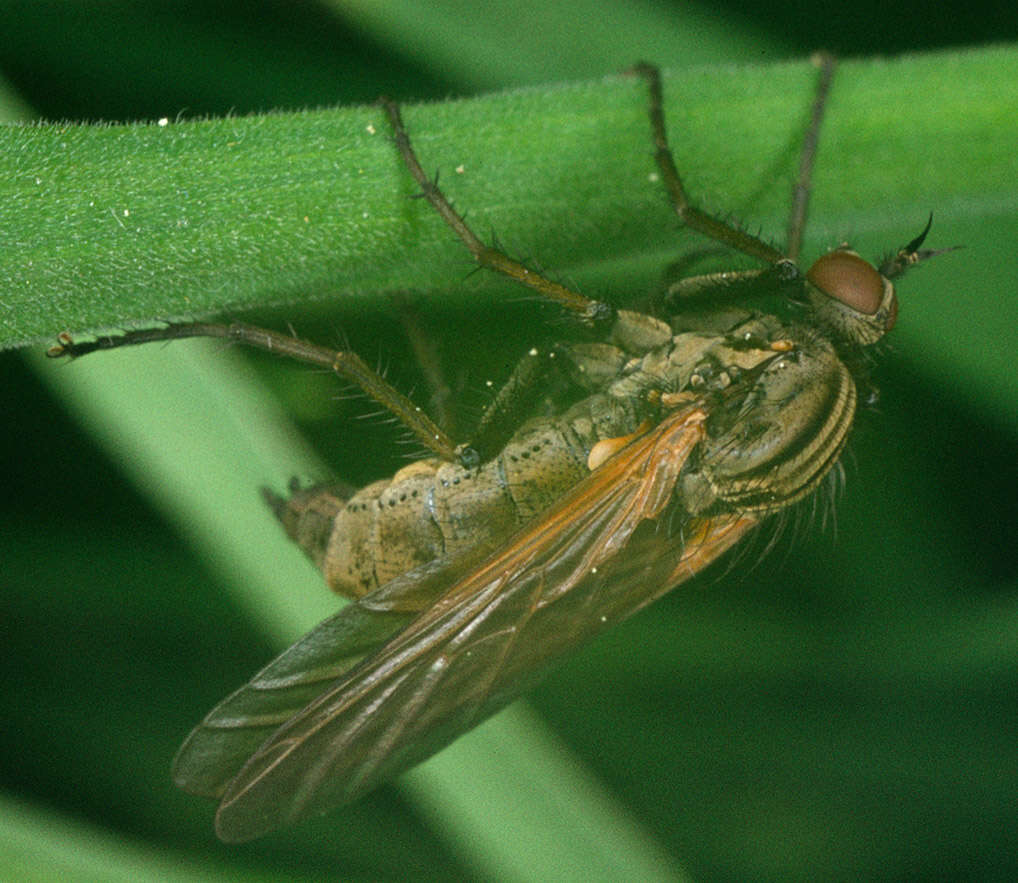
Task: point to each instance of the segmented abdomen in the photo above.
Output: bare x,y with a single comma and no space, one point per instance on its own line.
433,508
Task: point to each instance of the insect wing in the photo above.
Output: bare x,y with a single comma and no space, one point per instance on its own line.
217,749
556,583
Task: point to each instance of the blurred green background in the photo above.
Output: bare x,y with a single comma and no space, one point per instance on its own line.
843,707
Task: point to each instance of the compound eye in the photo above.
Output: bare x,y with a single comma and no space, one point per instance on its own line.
846,277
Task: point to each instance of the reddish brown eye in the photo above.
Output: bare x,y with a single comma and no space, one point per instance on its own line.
848,278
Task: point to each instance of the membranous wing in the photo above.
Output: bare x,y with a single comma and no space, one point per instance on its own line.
337,714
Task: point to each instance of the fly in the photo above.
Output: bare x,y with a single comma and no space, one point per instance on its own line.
472,570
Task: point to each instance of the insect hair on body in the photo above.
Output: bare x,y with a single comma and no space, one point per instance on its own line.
473,569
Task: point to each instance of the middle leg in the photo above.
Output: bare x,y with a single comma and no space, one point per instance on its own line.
590,312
